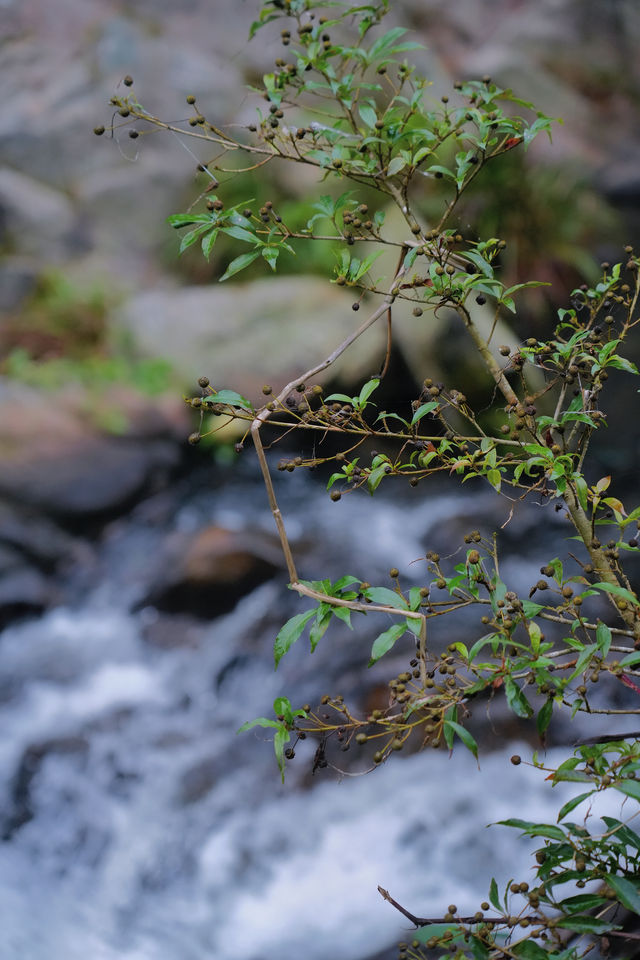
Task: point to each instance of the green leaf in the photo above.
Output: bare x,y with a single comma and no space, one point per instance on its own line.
339,396
255,26
366,265
208,243
231,398
531,609
383,44
335,476
319,628
375,477
584,660
345,581
282,736
529,950
239,233
367,390
629,787
436,930
582,901
479,261
618,591
368,115
495,479
239,264
191,238
423,410
282,708
482,642
544,716
271,254
493,895
178,220
385,596
586,924
603,638
391,416
623,832
436,168
344,614
535,829
572,804
415,598
395,166
478,949
464,735
258,722
620,363
626,892
516,698
291,632
630,659
385,641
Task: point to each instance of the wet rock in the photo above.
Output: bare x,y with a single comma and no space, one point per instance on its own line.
17,277
56,462
278,326
30,554
170,631
23,593
197,781
205,575
35,539
30,764
91,480
34,556
35,219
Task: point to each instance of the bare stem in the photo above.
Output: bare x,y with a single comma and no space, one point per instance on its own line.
263,416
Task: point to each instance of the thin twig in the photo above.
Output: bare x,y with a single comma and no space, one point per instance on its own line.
419,921
263,416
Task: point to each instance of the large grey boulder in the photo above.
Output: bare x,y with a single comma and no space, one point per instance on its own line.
56,462
240,335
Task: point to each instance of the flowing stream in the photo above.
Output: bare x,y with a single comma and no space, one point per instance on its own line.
139,826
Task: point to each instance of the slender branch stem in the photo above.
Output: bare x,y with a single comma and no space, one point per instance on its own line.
264,414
